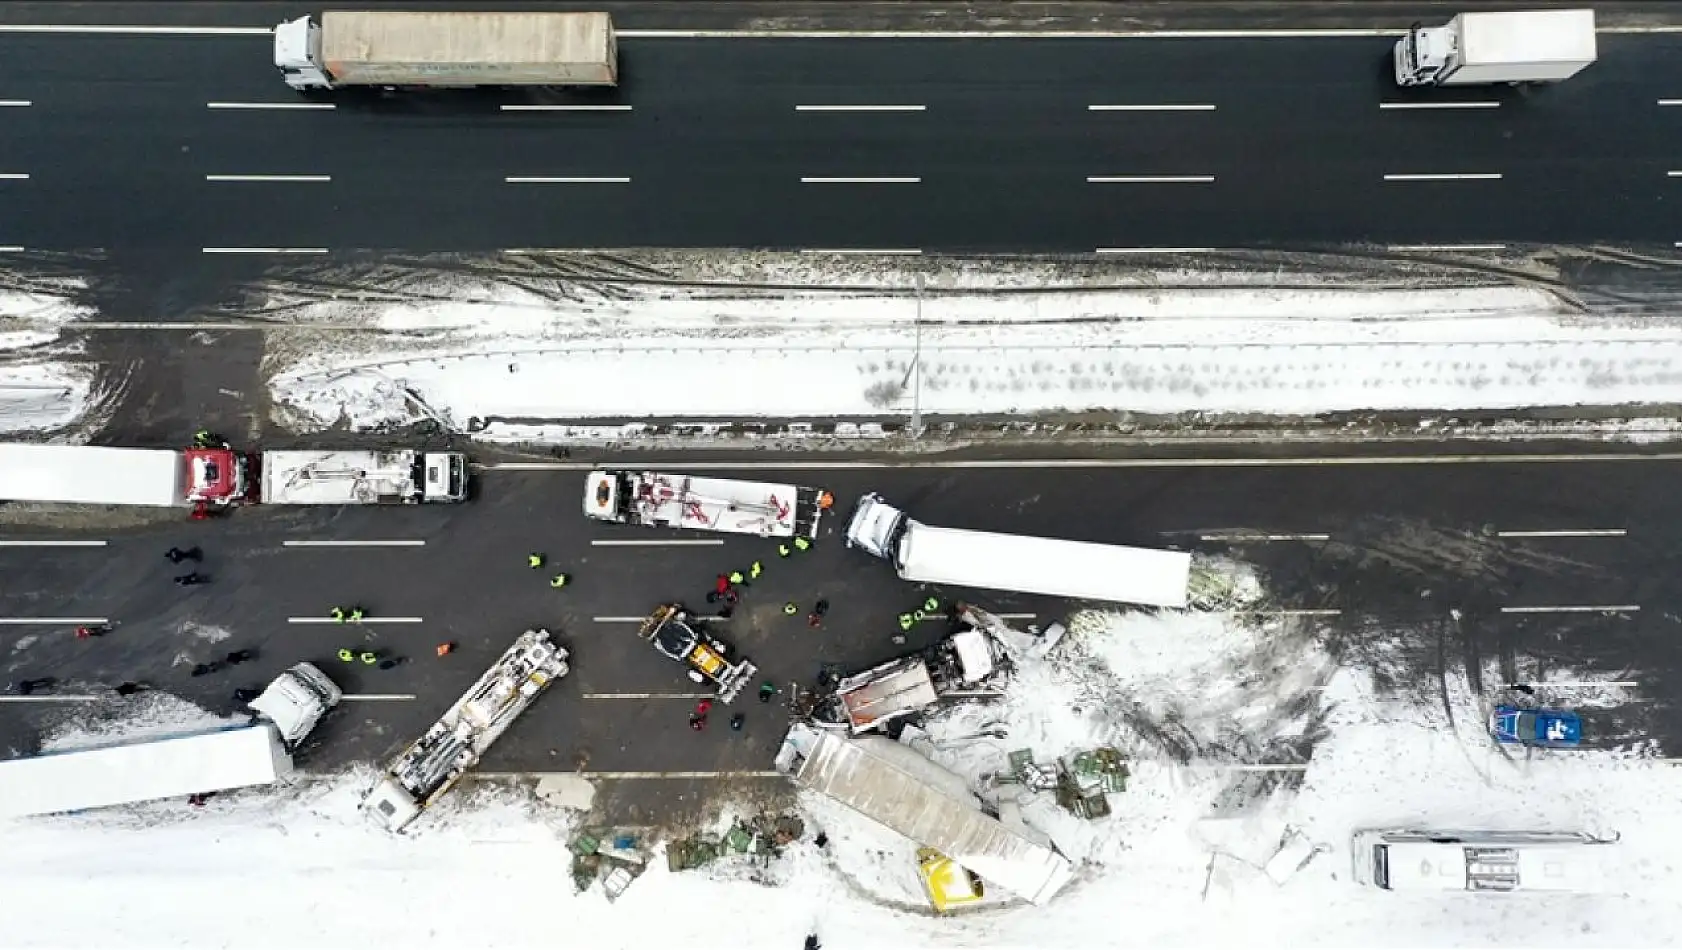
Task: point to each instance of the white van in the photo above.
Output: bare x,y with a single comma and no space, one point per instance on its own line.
1399,860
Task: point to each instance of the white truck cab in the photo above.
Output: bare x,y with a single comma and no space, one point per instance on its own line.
297,54
296,701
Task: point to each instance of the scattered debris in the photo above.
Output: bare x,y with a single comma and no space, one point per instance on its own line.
1082,780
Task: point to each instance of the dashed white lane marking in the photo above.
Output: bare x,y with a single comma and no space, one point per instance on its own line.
648,695
264,250
1439,105
1670,102
978,464
346,623
1157,107
1156,250
53,544
618,619
52,621
1283,767
14,176
1621,684
1446,176
11,249
1575,609
1238,536
881,251
862,108
1566,533
1673,174
565,108
15,103
379,697
281,106
941,617
822,180
565,180
656,542
1446,247
285,179
1150,179
49,699
609,776
353,544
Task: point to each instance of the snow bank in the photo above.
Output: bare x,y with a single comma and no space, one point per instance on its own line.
38,395
525,354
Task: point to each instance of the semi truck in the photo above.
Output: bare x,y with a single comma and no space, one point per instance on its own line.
97,475
870,700
404,477
398,50
1080,570
459,739
1513,47
660,500
214,760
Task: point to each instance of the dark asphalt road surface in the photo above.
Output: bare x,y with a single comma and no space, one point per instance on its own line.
119,140
1409,546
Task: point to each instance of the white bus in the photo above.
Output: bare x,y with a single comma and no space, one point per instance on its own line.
1567,861
1079,570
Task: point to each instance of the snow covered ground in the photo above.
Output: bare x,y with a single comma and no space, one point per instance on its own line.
1178,864
528,358
39,390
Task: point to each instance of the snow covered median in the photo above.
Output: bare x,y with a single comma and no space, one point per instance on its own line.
39,390
542,357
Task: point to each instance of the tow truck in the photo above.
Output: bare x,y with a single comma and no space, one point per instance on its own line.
680,636
660,500
457,741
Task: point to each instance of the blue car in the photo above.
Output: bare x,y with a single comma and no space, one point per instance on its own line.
1548,728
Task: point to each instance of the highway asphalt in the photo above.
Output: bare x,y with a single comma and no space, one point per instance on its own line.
996,147
1417,562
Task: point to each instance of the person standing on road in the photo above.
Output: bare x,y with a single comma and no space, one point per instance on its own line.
190,579
177,555
767,690
240,656
246,694
697,722
29,686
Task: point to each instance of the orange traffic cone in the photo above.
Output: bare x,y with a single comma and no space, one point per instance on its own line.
445,649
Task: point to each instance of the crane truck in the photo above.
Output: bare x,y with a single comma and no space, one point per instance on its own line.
403,477
1489,47
97,475
459,739
660,500
388,49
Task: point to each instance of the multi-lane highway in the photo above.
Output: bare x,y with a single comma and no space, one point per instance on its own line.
1532,568
188,142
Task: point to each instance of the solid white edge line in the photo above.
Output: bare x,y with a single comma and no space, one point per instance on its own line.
289,179
270,105
1439,105
1567,533
353,544
620,619
610,776
1404,248
1517,458
658,543
563,180
1349,33
365,621
884,108
564,108
888,180
379,697
66,698
1190,107
1575,609
1578,684
1278,613
1446,176
880,251
1264,537
1149,179
51,621
1156,250
137,30
53,544
264,250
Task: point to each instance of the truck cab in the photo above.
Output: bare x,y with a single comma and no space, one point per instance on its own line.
875,526
443,477
297,54
296,701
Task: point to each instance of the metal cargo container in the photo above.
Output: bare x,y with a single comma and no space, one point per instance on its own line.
469,49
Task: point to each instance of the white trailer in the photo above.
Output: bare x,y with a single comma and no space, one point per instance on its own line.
94,475
459,739
391,49
659,500
1501,861
891,784
953,557
1513,47
216,760
404,477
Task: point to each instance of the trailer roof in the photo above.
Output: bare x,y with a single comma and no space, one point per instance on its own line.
359,36
336,478
1075,569
91,475
1534,36
142,771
